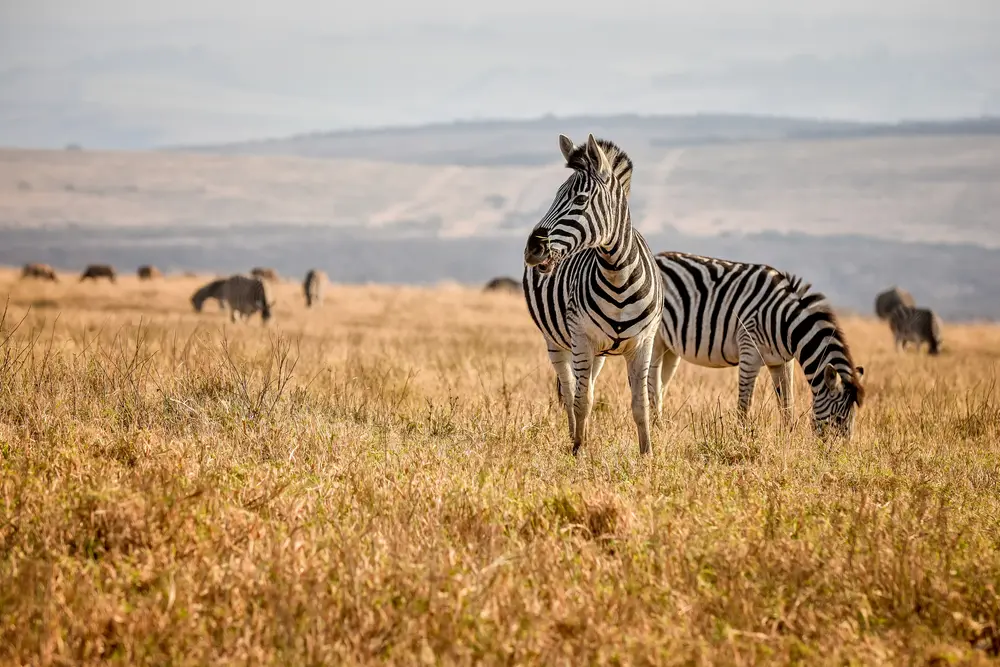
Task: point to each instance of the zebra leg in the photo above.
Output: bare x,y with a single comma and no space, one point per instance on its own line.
638,380
661,372
750,363
783,378
583,369
564,384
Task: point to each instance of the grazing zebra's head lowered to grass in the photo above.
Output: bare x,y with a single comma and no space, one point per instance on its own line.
212,290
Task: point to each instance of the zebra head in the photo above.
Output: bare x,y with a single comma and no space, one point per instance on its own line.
588,208
836,401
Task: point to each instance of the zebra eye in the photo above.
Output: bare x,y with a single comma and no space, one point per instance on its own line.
580,200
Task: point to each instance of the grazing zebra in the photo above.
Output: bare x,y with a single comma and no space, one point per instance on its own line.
40,271
718,313
212,290
246,296
591,283
886,302
313,287
916,325
95,271
147,272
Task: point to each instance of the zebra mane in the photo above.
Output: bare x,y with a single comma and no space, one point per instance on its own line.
797,284
621,163
817,303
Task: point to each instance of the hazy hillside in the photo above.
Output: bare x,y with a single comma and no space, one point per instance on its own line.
852,215
529,142
935,189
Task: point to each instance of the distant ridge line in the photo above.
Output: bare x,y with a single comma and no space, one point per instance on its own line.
809,127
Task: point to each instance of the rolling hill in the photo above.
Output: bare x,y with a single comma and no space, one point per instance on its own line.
852,207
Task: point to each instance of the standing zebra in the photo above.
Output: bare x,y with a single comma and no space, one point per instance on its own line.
246,296
915,325
718,313
591,283
313,287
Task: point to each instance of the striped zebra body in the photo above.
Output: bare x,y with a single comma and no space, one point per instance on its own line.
916,325
718,314
212,290
312,286
246,296
591,283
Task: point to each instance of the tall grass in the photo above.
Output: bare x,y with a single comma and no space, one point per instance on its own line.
387,479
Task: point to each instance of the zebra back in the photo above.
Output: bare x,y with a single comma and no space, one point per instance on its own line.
919,325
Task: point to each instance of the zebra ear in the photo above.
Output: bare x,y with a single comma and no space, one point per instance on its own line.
599,158
831,378
566,146
861,372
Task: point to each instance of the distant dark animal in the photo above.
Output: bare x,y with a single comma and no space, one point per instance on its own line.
95,271
246,296
313,287
264,273
212,290
916,325
503,284
887,301
40,271
147,272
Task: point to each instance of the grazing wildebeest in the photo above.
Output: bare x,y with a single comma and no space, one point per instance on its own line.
503,284
264,273
40,271
313,286
886,302
916,325
246,296
212,290
95,271
148,272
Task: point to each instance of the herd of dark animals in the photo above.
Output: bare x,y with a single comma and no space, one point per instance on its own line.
895,306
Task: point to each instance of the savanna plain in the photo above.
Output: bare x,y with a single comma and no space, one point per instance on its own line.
386,478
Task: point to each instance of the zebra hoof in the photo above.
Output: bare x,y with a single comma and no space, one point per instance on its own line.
576,450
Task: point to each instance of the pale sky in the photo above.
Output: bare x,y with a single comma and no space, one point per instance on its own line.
345,12
139,72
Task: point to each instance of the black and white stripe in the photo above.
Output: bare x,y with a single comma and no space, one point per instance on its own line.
246,296
591,283
313,287
718,313
915,325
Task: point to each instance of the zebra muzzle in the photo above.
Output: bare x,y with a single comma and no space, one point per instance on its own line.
537,254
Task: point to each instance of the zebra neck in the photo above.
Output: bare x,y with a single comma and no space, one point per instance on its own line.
813,363
617,259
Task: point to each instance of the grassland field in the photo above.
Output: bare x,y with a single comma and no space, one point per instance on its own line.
386,479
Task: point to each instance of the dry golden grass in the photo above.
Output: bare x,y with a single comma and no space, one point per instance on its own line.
387,479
